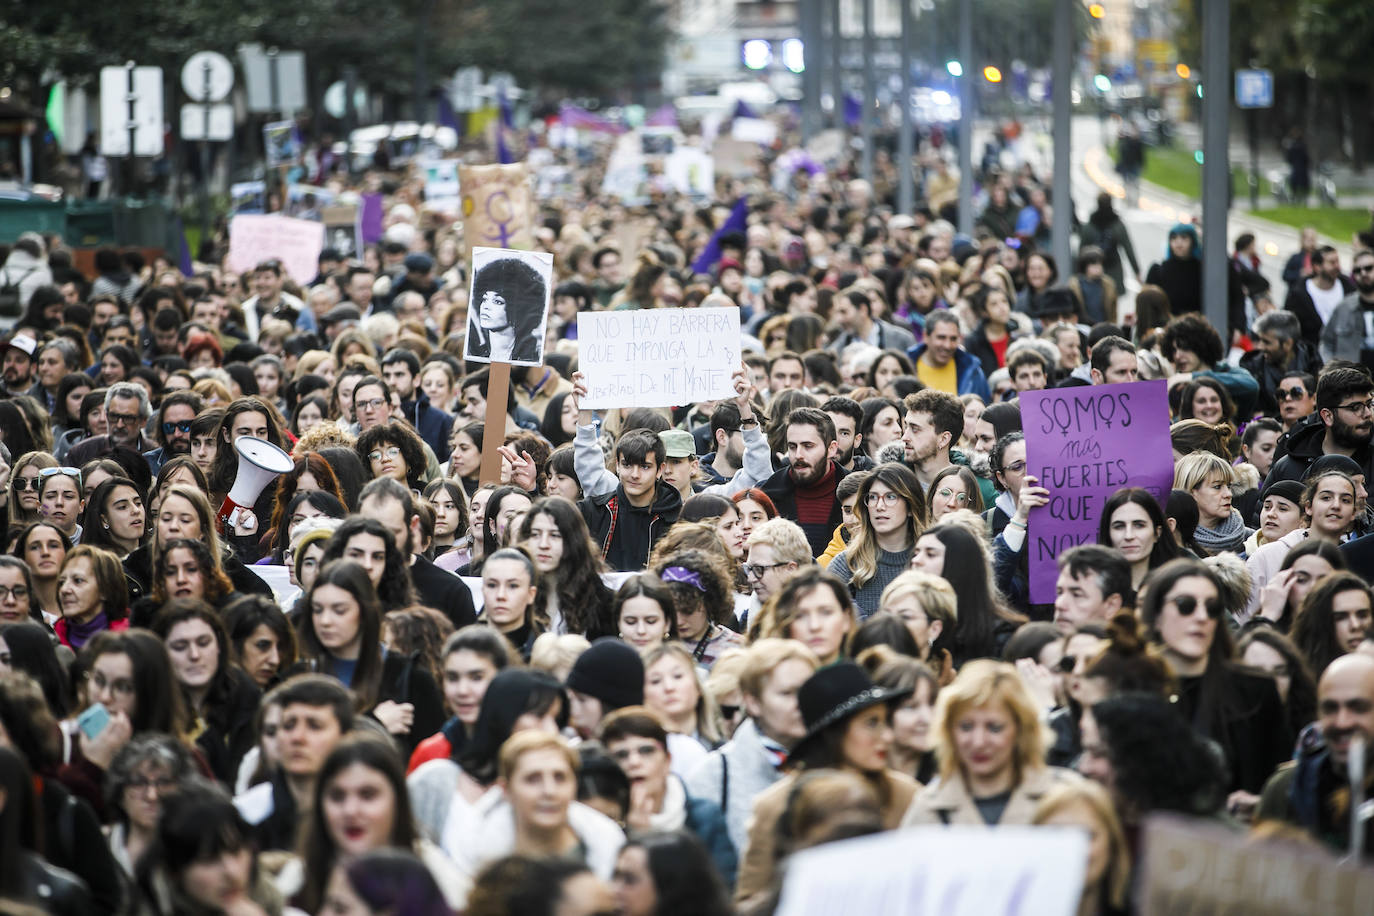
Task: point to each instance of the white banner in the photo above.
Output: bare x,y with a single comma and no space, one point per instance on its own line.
297,243
658,357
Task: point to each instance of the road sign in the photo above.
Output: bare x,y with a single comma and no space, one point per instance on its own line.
218,128
336,98
275,80
131,102
207,76
1254,89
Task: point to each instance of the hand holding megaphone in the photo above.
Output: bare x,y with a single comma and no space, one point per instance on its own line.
260,462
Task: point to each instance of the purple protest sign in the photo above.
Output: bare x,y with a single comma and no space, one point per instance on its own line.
1083,444
371,217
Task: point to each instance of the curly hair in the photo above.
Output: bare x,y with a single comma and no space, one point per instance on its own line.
398,434
216,583
314,464
716,595
1161,763
1194,333
1190,391
694,536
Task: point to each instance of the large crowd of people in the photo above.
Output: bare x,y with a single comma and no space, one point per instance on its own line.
666,649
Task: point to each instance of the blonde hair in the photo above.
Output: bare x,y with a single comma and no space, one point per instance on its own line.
527,741
983,682
1192,470
764,655
707,712
555,653
310,361
1118,877
786,538
935,596
724,677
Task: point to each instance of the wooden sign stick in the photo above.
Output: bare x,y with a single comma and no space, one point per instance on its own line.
494,430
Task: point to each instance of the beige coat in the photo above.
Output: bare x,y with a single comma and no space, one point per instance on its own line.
758,863
950,803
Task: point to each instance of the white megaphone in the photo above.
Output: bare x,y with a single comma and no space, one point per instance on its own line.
259,462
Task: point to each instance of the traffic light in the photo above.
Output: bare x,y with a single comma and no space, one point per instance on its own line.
992,74
757,53
1096,10
955,68
1102,83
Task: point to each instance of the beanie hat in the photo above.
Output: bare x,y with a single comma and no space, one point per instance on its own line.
1290,490
611,671
1328,463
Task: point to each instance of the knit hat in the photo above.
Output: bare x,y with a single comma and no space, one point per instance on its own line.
1328,463
1290,490
611,671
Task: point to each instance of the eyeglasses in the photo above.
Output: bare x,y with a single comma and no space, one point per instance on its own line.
45,473
374,404
377,454
887,499
23,483
182,425
1292,394
946,493
1186,604
1358,406
120,419
1014,468
757,570
19,593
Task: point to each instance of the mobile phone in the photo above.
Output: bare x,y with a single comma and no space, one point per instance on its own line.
93,720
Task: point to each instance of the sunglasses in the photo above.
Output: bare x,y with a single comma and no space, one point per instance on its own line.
1292,394
1186,604
182,425
729,711
1067,664
53,472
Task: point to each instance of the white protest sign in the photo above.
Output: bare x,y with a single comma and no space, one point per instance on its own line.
754,130
953,871
658,357
441,178
256,237
690,171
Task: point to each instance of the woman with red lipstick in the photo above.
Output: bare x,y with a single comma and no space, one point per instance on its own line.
220,696
571,598
991,747
115,517
361,805
1182,612
892,514
848,727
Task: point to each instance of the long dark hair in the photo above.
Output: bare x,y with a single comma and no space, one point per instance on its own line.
367,676
583,599
686,882
646,585
32,653
1165,549
511,694
215,582
499,495
180,610
982,611
94,529
318,852
551,427
1312,546
1314,626
1301,703
156,708
226,465
314,464
395,590
326,502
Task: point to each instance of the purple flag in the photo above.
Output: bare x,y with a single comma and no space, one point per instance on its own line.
582,119
663,116
371,217
183,249
503,154
853,109
1084,444
447,116
737,222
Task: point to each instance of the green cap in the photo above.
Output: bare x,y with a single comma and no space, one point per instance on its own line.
678,443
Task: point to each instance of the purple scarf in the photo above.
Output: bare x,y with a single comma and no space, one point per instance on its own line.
78,634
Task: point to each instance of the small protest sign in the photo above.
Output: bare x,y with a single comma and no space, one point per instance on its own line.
510,297
297,243
691,171
441,178
372,216
280,141
754,130
952,871
735,158
1083,444
1202,868
658,357
341,230
247,197
497,206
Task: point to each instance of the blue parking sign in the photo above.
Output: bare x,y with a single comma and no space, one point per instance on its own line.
1254,89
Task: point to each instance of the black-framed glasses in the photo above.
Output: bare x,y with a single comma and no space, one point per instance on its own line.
373,404
757,570
1186,604
119,419
19,592
729,710
182,425
23,483
1366,406
1292,394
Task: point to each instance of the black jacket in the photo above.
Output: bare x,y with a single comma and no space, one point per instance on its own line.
405,679
431,424
1246,718
977,344
605,517
442,591
72,839
782,491
1299,302
53,890
1305,359
1303,445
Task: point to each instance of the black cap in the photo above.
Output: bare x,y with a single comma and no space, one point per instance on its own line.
611,671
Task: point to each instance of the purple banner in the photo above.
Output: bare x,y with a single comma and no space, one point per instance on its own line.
371,217
1083,444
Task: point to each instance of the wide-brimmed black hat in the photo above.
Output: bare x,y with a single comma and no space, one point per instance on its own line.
833,694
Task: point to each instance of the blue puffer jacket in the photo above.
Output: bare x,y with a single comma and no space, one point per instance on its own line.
968,368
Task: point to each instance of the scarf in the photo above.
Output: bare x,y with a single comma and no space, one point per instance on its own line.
78,634
1229,537
673,814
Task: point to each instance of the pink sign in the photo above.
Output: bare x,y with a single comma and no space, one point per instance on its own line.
1083,444
258,237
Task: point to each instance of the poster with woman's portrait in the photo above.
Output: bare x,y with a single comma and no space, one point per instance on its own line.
508,306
